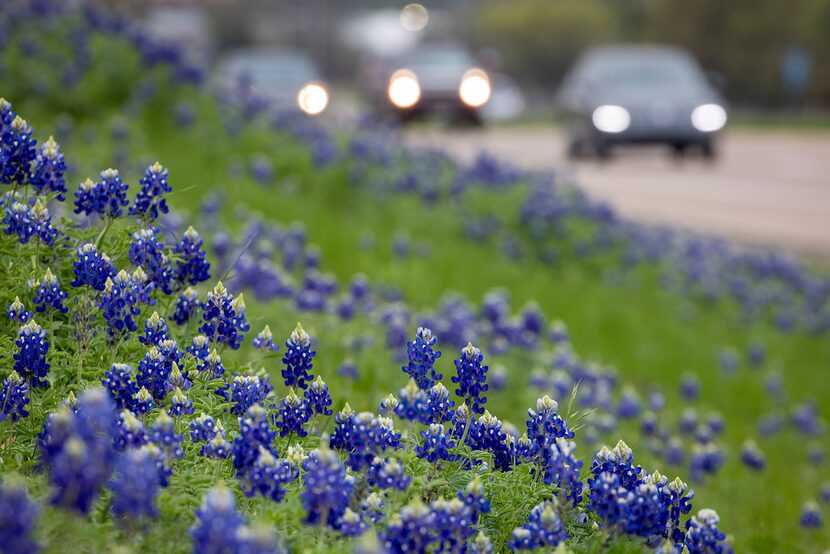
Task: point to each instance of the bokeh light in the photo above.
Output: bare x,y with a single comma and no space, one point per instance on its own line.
414,17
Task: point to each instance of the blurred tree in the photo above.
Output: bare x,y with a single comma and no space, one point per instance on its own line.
539,39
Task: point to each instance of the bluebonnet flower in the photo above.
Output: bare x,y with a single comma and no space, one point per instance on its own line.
147,252
486,434
217,447
268,476
191,265
348,370
471,378
298,359
440,405
119,305
544,424
561,468
142,287
49,294
224,317
388,405
155,330
16,311
7,114
265,340
412,530
130,432
199,347
106,198
387,474
543,528
180,404
413,404
351,524
78,452
473,496
177,380
186,306
26,222
437,445
453,524
525,449
680,504
690,387
649,512
248,390
372,507
363,436
608,498
48,170
134,485
752,456
203,428
153,372
327,487
293,414
142,402
30,361
705,459
212,366
14,396
482,544
217,523
318,398
815,454
618,461
254,432
806,420
421,366
163,434
703,535
18,518
629,405
17,151
92,268
811,516
149,202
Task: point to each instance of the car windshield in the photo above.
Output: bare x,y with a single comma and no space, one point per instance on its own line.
270,69
438,57
646,70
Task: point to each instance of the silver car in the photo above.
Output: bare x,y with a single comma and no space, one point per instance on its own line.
639,94
284,77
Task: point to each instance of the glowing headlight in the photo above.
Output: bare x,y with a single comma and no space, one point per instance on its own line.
474,89
313,99
709,118
611,119
404,90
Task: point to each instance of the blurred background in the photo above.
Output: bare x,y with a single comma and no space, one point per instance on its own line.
730,100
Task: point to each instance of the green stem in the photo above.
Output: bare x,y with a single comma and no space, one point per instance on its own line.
103,232
466,427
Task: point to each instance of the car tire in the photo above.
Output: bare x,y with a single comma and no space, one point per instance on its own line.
708,150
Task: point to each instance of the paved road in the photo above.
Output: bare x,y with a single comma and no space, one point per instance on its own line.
768,188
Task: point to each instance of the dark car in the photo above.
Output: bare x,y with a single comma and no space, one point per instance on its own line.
284,77
437,78
639,94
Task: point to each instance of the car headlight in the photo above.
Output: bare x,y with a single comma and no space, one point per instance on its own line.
611,119
313,98
404,90
709,118
475,89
